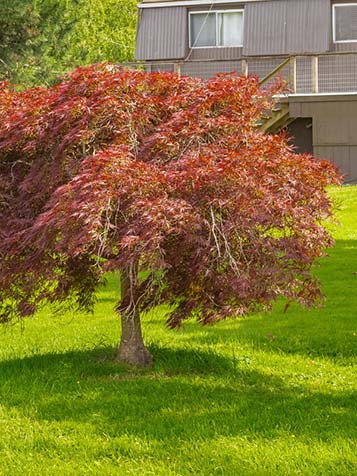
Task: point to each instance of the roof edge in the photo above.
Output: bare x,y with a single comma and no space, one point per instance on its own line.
185,3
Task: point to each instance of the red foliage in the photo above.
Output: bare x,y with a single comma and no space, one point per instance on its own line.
117,168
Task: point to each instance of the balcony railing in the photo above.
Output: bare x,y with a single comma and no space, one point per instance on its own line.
328,73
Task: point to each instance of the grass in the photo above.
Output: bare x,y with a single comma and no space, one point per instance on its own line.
271,394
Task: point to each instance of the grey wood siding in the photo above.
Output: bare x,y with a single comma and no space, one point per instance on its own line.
287,27
264,28
274,27
162,34
345,46
334,135
207,69
222,53
343,157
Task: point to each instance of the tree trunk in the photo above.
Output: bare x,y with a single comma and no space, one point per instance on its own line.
131,349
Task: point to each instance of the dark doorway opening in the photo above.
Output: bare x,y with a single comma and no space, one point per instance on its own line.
300,131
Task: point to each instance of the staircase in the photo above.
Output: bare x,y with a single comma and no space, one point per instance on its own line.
276,119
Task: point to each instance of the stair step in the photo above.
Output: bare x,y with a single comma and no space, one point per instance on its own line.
275,119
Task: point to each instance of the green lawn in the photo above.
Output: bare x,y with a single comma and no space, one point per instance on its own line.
271,394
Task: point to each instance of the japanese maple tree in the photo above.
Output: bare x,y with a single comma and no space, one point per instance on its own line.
166,180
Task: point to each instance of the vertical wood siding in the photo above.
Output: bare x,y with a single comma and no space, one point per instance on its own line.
344,47
274,27
207,69
229,53
162,34
287,27
265,28
334,136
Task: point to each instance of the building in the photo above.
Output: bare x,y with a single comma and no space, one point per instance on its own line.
313,41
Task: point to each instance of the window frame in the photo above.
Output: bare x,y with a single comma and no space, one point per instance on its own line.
334,7
236,10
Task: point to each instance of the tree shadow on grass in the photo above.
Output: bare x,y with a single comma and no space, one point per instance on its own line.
108,299
188,395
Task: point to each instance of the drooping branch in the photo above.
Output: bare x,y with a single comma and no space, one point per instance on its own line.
116,170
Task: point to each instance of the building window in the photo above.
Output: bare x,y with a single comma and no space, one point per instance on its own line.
216,28
344,22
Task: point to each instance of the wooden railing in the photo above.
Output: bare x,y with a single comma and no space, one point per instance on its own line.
275,71
305,74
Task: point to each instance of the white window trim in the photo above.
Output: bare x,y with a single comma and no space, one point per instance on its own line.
334,7
240,10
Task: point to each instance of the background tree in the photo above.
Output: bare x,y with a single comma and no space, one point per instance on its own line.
42,39
18,29
164,179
